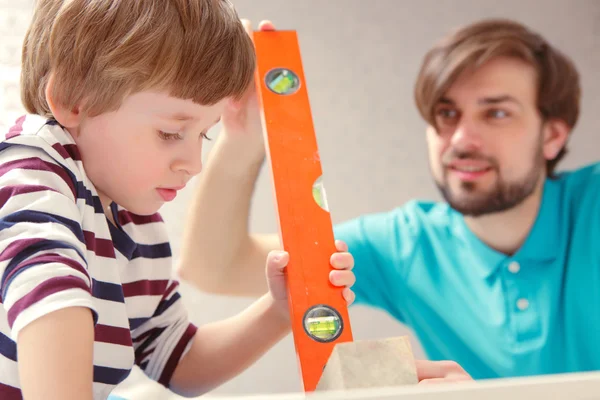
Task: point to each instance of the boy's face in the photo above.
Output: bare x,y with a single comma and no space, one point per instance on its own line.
488,154
140,155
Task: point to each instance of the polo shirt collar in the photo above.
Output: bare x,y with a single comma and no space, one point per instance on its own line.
541,245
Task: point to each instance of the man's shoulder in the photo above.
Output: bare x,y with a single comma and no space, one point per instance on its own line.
586,174
414,214
400,230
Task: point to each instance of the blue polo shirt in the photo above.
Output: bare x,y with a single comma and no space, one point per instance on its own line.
536,312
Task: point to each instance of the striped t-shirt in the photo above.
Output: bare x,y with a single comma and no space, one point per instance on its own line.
58,250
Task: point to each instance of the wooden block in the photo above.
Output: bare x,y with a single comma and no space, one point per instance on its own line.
369,364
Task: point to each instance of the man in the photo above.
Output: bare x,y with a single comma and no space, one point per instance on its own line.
504,276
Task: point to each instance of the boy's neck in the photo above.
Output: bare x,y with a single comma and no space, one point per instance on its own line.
106,202
507,231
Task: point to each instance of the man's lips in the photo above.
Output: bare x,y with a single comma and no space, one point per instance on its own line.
469,170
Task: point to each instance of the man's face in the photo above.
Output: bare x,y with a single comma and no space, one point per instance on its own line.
487,154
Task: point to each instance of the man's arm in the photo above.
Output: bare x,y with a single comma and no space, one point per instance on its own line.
223,349
218,254
55,356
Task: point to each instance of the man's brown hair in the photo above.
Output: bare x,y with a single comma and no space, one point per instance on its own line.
471,46
100,51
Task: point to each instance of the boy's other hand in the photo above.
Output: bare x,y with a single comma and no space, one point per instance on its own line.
342,275
242,117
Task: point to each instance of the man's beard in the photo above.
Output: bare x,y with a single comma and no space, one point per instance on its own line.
502,196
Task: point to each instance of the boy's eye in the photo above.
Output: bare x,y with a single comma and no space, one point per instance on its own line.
447,113
497,114
169,136
205,136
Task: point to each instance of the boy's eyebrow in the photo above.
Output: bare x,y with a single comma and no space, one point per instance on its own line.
179,116
185,117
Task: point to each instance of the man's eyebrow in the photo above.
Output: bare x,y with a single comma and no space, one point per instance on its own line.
499,99
486,100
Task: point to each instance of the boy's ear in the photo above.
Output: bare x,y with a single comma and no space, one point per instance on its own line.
66,117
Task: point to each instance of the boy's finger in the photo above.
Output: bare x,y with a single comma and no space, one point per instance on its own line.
342,261
341,246
266,25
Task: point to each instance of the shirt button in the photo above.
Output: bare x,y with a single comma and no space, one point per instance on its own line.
522,304
514,267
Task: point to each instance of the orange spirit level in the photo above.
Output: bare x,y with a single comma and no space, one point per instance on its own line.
318,311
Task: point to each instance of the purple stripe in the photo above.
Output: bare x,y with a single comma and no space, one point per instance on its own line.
10,393
145,288
113,335
161,250
127,217
45,259
8,348
17,129
14,190
67,151
110,376
147,338
37,164
43,290
16,247
135,323
169,369
141,356
107,291
102,247
39,217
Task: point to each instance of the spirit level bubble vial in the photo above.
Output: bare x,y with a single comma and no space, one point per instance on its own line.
318,310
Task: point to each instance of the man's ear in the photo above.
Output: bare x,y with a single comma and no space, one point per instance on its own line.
65,116
556,133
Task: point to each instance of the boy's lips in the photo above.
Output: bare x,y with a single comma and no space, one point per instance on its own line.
169,194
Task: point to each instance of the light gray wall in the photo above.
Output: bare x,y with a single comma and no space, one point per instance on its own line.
360,60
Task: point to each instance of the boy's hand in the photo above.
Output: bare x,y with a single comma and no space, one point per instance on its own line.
242,117
342,275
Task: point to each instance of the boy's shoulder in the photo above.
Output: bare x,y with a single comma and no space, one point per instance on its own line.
38,132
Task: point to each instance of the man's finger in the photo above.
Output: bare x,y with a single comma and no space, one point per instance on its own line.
427,369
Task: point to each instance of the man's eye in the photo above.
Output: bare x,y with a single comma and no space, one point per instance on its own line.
169,136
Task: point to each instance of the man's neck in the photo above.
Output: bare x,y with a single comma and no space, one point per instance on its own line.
506,231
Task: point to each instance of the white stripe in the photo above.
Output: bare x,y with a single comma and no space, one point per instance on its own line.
113,355
111,313
147,268
147,234
7,376
54,302
142,306
26,282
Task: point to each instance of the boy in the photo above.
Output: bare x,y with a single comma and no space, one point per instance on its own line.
119,95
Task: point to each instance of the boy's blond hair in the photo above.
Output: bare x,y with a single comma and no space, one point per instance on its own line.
99,51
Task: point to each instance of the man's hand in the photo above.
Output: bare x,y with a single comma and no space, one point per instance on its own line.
440,372
342,275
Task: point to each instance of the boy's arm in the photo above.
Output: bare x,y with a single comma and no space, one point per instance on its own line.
223,349
218,254
55,356
45,287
